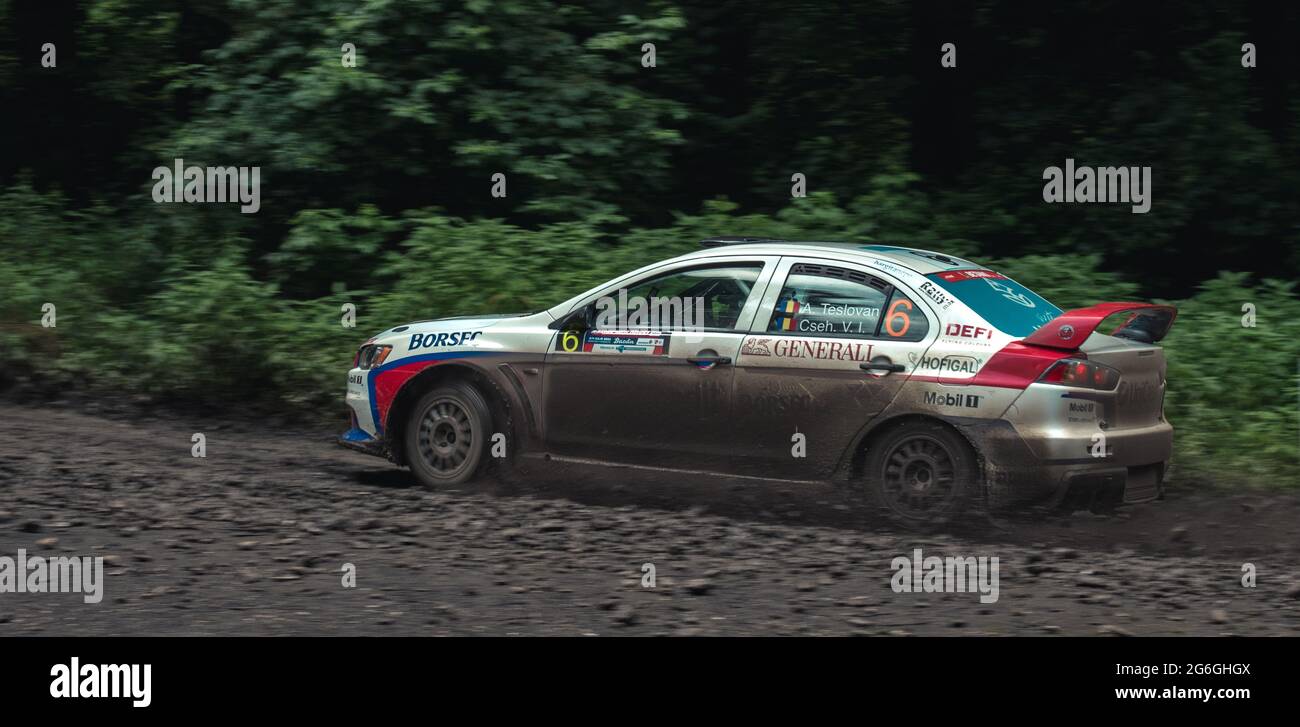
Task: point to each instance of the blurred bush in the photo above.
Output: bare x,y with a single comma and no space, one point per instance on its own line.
1232,393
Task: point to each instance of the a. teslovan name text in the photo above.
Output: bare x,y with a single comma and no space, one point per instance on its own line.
195,184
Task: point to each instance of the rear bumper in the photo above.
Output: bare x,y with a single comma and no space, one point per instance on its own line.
1131,447
1058,471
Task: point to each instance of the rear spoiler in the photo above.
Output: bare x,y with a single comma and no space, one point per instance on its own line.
1146,322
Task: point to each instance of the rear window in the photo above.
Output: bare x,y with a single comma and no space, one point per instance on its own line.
1009,306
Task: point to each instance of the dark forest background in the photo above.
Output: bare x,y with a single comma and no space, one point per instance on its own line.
376,179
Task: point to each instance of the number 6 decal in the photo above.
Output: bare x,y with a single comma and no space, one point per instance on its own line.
894,314
569,341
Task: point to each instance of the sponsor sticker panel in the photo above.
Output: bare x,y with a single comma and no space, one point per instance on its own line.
614,343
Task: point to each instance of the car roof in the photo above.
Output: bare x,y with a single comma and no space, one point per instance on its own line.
925,262
922,261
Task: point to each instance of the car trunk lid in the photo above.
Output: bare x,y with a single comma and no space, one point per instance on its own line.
1138,399
1123,337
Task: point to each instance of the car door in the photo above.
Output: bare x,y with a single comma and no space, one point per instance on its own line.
653,386
831,345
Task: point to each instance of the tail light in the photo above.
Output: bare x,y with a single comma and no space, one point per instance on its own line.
1081,373
1016,366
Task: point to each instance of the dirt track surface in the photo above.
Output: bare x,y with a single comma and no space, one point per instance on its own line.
252,540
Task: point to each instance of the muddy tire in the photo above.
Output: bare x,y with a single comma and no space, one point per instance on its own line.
447,435
921,474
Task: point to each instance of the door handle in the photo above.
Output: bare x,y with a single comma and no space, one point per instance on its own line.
710,360
882,366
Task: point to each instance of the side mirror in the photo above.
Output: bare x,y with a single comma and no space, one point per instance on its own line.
579,319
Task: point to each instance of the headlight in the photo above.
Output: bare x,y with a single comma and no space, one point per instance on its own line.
371,356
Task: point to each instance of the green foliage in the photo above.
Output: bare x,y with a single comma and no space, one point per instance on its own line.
328,247
1232,392
449,266
442,97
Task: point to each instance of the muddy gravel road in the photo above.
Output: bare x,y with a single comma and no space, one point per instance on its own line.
254,538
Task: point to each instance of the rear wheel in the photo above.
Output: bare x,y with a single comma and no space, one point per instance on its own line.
447,435
921,473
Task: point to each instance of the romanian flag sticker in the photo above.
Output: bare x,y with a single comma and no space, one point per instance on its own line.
785,314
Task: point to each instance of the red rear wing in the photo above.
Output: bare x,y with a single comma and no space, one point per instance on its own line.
1069,330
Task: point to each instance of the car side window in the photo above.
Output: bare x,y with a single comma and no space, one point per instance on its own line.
821,300
824,300
709,297
904,320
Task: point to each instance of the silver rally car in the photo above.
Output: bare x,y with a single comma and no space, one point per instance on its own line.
931,384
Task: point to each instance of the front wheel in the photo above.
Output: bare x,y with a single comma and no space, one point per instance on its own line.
921,473
447,435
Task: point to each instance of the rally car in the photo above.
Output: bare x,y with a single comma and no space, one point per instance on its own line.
931,384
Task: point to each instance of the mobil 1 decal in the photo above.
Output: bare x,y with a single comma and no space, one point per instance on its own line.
951,400
966,400
644,343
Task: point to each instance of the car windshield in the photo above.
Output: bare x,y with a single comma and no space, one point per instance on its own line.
1009,306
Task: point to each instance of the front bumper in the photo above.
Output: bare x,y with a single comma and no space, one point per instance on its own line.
359,400
361,441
